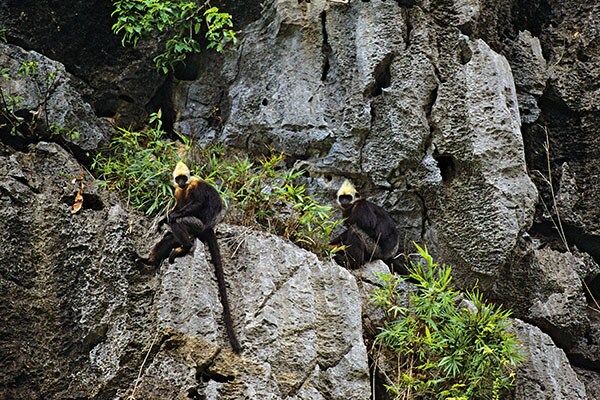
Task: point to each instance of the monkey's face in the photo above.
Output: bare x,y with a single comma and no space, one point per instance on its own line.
181,175
345,200
182,180
347,195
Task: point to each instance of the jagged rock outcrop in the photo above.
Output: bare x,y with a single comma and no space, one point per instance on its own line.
392,96
592,382
281,301
83,320
444,112
564,134
118,82
425,105
546,374
47,103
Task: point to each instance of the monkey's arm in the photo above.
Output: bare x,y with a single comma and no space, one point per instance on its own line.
364,218
161,222
191,209
339,239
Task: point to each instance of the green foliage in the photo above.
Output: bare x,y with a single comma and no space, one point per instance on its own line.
257,193
44,79
261,193
137,164
444,351
59,130
9,104
28,68
219,30
182,20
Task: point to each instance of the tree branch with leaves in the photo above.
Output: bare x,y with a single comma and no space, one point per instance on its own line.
181,20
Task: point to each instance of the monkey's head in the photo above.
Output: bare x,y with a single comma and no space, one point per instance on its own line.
347,194
181,175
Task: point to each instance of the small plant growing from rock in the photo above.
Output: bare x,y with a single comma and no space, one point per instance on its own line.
137,163
445,348
22,117
262,193
259,193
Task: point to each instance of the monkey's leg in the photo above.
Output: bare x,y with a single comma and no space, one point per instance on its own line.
193,224
352,256
399,265
160,251
182,233
210,239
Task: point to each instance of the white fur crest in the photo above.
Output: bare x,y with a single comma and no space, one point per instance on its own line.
181,169
347,188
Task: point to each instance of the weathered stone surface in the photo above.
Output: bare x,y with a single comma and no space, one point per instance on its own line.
80,313
409,100
530,72
50,93
63,278
591,380
569,119
551,289
282,103
585,352
546,373
118,82
279,299
558,299
488,200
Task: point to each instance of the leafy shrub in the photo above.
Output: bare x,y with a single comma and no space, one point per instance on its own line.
35,123
263,193
445,351
181,19
257,193
137,164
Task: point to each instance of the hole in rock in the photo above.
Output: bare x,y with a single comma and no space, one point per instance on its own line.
206,375
90,201
382,75
447,166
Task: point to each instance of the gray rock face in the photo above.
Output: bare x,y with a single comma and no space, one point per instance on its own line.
280,300
383,93
51,94
80,312
531,74
118,82
63,277
569,120
546,374
423,104
560,305
489,198
592,382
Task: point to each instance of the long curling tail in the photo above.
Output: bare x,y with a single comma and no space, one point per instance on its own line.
215,254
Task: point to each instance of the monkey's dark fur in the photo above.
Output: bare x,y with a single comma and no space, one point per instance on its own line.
371,232
197,210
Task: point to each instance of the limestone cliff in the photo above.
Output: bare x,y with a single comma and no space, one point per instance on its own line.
473,121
